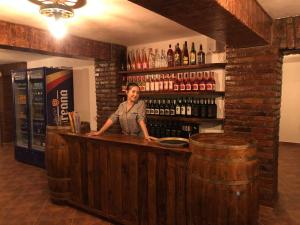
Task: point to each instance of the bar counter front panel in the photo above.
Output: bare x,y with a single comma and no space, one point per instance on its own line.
135,182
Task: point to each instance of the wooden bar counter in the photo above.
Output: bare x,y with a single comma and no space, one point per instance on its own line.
134,182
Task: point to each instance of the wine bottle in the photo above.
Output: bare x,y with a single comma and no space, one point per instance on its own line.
193,55
170,56
186,59
201,56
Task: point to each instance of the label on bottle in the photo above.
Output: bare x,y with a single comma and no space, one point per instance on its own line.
156,86
172,112
208,87
176,87
178,110
166,85
162,112
188,110
182,87
147,86
152,112
147,111
193,59
167,112
177,59
202,87
185,60
156,111
161,85
188,87
183,112
195,87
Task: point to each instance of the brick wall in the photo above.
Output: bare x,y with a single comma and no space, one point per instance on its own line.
286,33
253,95
108,85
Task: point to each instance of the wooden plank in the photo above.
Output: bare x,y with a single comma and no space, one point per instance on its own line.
143,188
161,189
171,192
152,190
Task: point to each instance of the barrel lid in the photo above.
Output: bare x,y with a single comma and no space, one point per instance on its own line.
221,141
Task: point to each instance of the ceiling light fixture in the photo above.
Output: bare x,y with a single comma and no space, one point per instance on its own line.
57,11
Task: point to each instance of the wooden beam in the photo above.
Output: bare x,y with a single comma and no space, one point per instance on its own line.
21,37
238,23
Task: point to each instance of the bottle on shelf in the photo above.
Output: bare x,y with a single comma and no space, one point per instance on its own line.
188,108
157,59
177,56
194,81
142,83
178,107
193,55
195,108
183,108
213,81
181,81
147,80
145,61
156,82
128,62
208,82
173,108
202,82
163,59
161,82
170,56
167,108
185,55
156,107
166,82
152,107
203,108
201,56
176,83
171,81
133,61
138,60
188,84
151,59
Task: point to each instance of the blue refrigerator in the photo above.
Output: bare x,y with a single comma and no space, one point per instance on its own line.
42,96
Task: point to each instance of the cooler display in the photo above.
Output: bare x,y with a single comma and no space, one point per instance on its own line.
48,94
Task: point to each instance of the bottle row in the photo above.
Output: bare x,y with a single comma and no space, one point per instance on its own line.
141,60
187,81
183,107
161,129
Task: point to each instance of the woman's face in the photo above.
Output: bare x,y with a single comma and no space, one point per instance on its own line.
133,94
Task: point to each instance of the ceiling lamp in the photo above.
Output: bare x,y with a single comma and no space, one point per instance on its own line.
57,11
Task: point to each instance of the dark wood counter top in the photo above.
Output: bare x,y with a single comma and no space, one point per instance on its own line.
126,139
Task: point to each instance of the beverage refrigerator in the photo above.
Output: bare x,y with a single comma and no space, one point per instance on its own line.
42,96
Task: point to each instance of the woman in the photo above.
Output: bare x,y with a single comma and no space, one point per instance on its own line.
131,115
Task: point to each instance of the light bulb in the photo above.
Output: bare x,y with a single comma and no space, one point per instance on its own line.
57,28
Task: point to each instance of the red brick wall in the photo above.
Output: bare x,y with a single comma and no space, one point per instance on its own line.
252,107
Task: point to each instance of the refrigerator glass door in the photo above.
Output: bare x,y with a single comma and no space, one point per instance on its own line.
37,109
21,108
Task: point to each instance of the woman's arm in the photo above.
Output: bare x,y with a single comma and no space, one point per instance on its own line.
106,125
145,131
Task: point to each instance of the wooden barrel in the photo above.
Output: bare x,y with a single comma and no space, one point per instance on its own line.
222,181
57,164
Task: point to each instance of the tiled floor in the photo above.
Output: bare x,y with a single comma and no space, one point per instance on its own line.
24,196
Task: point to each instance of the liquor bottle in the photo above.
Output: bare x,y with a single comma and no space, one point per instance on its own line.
202,83
145,62
201,56
128,62
185,55
195,108
156,82
213,81
151,59
203,113
166,82
133,63
156,107
148,102
173,108
168,129
193,55
178,107
183,107
171,82
162,108
181,81
189,108
176,83
214,108
147,78
209,108
167,107
170,56
195,82
163,59
161,82
177,56
152,107
138,60
188,84
157,59
152,82
208,84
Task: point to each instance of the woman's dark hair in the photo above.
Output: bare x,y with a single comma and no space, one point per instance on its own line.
131,85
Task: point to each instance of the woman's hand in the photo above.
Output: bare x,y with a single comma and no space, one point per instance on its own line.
93,133
150,138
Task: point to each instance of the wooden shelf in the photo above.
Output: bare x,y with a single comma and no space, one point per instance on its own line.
184,119
182,93
178,68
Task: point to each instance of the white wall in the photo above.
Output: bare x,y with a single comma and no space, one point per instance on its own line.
83,83
290,105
